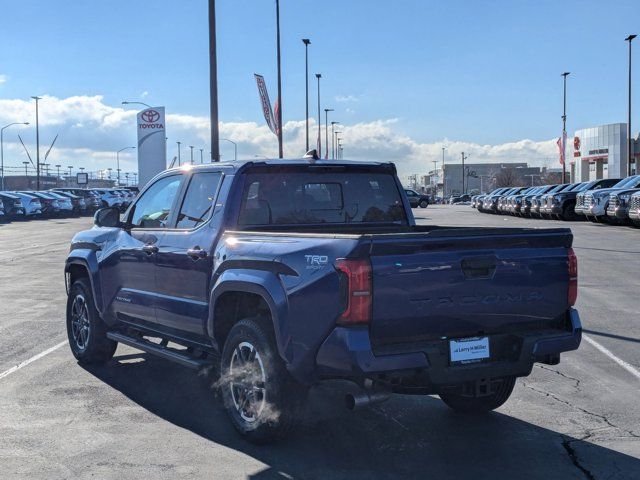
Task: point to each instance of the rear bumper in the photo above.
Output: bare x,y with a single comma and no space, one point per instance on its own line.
347,353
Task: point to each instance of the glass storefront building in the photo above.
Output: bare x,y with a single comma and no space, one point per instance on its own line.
600,152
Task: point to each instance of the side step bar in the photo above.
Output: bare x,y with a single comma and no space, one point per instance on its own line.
159,350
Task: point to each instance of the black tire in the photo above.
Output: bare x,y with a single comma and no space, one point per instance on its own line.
423,204
478,404
251,344
86,331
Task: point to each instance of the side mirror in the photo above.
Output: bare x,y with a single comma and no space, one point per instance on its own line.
107,217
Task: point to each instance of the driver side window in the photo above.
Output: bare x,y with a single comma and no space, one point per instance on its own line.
153,208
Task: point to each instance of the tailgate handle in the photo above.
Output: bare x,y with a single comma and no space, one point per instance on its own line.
479,267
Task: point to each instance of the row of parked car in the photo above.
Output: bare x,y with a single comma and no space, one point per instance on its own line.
611,200
23,204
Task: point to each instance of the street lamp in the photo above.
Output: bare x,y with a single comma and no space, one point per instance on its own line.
136,103
213,85
333,135
58,177
201,157
564,127
306,42
2,150
26,174
109,170
463,172
279,113
326,132
70,167
118,161
444,192
191,147
629,39
36,98
235,148
179,143
319,143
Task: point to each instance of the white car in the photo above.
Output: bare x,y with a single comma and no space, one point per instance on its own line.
108,197
597,201
31,203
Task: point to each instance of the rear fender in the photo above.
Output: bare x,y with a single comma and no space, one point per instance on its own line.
268,286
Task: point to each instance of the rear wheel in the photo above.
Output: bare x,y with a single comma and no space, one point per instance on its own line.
260,396
86,331
423,204
482,397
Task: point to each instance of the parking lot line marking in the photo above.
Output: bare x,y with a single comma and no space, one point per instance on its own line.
33,246
17,367
628,367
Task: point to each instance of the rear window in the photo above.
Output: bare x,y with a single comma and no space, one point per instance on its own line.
277,198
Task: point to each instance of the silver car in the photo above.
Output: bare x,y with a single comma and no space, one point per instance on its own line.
31,203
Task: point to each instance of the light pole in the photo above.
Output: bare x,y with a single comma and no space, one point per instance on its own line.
26,174
70,167
326,132
36,98
179,143
444,176
109,170
118,161
58,177
463,172
135,179
333,143
434,189
191,147
564,126
201,157
335,140
279,112
629,39
235,148
213,84
319,143
306,42
2,150
136,103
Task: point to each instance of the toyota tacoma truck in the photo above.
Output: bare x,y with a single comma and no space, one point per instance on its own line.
276,275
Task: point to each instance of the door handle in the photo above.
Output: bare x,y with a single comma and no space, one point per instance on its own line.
150,249
196,253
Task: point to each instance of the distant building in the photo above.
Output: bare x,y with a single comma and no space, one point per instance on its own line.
481,177
601,152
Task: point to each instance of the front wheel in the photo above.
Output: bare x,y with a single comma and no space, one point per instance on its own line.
423,204
86,331
260,396
497,391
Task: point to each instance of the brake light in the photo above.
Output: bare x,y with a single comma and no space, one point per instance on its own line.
573,277
357,275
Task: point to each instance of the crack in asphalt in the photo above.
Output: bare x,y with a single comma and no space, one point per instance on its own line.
558,372
573,456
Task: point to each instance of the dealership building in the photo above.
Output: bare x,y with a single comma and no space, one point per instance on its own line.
601,152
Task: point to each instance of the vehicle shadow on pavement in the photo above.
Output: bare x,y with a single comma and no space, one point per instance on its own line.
408,436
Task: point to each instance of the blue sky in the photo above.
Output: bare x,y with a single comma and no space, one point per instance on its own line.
485,73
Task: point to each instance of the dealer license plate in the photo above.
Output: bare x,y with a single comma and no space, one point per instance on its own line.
468,350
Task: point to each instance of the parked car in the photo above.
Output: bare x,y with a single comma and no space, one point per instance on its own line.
514,201
50,205
618,208
596,202
91,199
490,201
31,203
416,199
634,209
64,202
543,209
109,197
530,200
78,203
243,265
3,218
563,205
13,208
460,199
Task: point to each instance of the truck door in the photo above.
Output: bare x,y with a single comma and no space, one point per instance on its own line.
184,259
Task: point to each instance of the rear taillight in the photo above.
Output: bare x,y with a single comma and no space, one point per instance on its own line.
573,277
357,278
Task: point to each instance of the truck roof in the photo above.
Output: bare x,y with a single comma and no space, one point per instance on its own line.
239,164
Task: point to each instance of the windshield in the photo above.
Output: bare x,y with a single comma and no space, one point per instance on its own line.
273,198
625,182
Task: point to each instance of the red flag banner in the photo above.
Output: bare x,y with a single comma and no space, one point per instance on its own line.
266,104
560,144
276,116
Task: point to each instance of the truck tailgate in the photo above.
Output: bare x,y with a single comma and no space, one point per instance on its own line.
456,283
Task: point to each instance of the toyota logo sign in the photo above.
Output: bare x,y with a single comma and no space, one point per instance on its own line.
150,116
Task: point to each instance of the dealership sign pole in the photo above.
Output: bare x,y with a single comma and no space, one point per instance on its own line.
152,141
564,129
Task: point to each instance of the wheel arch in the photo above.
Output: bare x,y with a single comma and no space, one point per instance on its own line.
81,266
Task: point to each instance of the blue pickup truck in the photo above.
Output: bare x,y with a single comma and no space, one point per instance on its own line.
276,275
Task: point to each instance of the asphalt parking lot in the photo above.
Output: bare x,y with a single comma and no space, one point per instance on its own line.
141,416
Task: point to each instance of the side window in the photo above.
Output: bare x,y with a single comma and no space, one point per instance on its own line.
198,202
153,207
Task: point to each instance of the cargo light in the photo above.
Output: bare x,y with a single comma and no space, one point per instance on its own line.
572,294
357,291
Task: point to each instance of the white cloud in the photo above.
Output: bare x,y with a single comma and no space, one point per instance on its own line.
3,78
91,131
347,98
144,94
